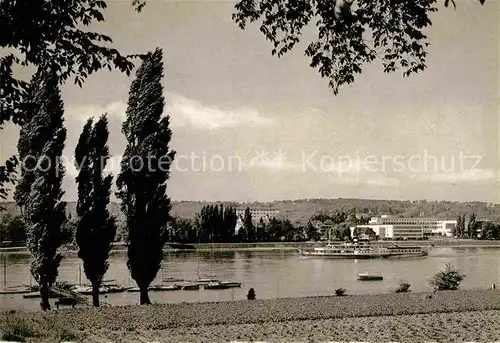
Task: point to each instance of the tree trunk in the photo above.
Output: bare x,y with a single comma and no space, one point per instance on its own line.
144,300
95,294
44,293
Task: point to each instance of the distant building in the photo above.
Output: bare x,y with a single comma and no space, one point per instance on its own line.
381,231
387,227
323,227
258,213
445,227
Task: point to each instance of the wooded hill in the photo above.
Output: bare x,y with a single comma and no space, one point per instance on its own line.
301,210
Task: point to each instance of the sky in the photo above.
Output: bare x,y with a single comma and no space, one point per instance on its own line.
248,126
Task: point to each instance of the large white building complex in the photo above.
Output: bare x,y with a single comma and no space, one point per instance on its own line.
258,213
265,214
387,227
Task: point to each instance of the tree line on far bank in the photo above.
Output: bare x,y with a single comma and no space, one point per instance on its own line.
476,229
219,224
216,224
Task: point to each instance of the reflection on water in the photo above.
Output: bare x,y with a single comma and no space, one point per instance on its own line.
271,273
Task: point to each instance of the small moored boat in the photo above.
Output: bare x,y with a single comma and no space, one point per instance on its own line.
369,277
207,280
18,289
222,285
34,295
191,287
172,279
156,288
215,285
104,289
231,284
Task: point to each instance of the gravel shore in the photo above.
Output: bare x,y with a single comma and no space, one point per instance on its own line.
408,316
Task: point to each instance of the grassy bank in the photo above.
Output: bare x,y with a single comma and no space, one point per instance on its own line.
222,321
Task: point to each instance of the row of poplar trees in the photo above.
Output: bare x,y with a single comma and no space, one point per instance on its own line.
215,224
141,186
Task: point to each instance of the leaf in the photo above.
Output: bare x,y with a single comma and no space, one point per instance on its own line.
446,3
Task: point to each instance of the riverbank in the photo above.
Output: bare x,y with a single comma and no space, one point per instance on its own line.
445,316
290,246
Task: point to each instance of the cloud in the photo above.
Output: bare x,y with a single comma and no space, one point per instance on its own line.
273,164
83,113
460,176
183,112
377,179
276,160
365,180
112,165
188,112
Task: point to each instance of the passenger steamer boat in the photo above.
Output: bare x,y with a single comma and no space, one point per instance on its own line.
362,250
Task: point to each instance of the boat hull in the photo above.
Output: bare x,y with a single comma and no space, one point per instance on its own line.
156,288
193,287
222,285
370,278
203,281
216,286
104,289
35,295
172,279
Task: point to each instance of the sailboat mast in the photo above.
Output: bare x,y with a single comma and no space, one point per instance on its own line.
4,271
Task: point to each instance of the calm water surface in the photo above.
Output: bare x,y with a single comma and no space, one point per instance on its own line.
272,274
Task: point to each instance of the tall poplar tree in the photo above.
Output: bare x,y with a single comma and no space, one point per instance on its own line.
145,169
229,223
460,229
248,233
471,229
96,228
39,194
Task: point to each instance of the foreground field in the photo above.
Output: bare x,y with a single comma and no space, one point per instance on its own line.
411,317
454,327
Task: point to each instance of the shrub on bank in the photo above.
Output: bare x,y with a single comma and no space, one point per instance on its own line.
404,287
447,280
340,292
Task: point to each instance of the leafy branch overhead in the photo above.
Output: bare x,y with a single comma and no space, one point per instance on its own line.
350,33
51,33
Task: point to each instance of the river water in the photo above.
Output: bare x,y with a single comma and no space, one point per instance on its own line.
271,273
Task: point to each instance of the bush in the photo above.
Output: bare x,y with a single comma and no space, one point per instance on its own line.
340,292
404,287
449,279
